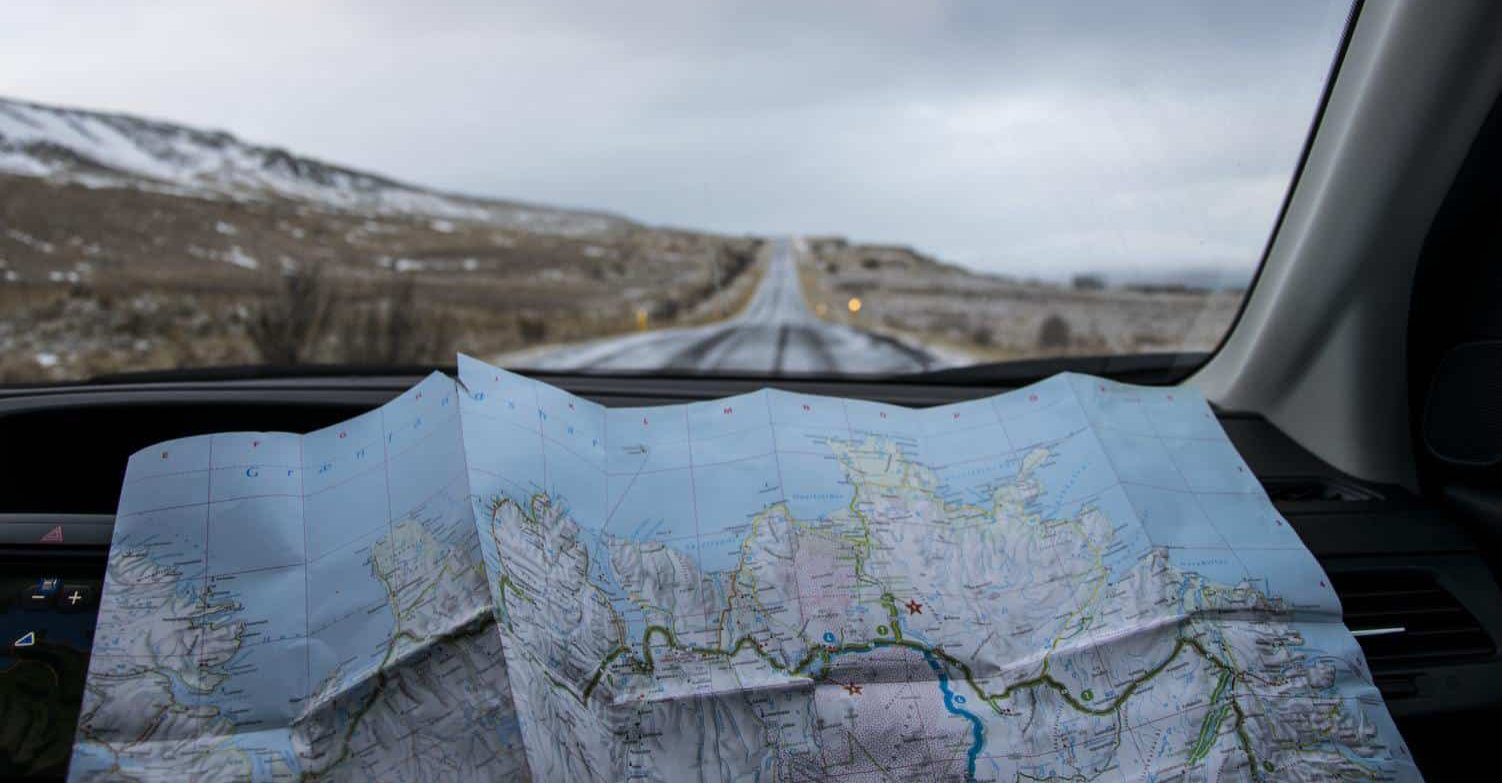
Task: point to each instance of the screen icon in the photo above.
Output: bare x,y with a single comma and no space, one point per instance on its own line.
39,595
27,639
75,598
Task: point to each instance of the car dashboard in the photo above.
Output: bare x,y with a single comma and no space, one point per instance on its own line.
1416,589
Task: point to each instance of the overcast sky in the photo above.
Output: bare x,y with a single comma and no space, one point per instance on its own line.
1027,138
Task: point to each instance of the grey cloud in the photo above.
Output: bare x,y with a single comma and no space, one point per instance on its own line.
1028,138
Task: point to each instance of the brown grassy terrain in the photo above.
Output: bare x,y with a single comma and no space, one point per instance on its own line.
97,280
976,317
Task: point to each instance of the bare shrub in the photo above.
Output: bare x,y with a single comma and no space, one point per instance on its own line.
532,328
669,309
982,336
396,329
1088,282
287,323
1054,333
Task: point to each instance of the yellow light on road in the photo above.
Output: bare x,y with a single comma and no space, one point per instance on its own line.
854,304
820,309
641,318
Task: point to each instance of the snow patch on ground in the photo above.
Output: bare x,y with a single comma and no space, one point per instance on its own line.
31,241
115,151
242,259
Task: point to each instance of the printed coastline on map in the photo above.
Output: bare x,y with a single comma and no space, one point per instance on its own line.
496,579
285,606
1080,579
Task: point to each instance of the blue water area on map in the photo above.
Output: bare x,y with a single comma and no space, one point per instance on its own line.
1039,414
255,533
1173,414
651,506
1129,542
272,602
1141,459
349,618
952,703
1293,575
570,420
1173,518
174,538
263,683
729,495
168,458
575,480
976,482
974,417
353,511
171,490
1218,565
1247,519
729,415
1076,471
267,747
424,447
1211,466
889,421
977,731
345,496
814,482
804,427
966,442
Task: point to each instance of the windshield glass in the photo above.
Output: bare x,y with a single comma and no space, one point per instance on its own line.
696,187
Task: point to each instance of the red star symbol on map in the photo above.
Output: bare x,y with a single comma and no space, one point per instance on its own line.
853,689
913,607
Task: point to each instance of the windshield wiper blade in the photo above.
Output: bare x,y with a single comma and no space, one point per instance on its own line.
1148,368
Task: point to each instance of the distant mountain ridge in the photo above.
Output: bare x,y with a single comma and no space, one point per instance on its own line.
111,150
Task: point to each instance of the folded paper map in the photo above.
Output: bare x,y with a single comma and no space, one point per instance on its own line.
495,579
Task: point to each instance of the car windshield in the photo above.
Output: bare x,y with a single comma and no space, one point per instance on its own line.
694,187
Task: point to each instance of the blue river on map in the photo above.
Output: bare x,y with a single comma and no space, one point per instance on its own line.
951,703
976,730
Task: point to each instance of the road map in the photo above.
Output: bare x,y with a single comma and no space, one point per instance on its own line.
280,607
495,579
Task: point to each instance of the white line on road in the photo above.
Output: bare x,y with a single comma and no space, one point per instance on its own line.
775,334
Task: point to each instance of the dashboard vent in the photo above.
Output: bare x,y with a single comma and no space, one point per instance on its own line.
1403,617
1315,489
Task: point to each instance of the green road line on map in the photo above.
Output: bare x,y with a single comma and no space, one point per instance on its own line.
825,653
1210,729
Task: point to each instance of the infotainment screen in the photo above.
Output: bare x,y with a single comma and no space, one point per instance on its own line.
48,606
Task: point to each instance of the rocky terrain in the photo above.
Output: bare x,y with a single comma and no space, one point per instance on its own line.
969,317
131,244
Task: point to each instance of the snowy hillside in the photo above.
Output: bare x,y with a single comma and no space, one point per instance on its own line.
104,150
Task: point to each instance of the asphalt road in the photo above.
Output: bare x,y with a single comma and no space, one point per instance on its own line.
775,334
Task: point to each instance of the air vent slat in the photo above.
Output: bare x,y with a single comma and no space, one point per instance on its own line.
1404,617
1361,595
1371,611
1305,489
